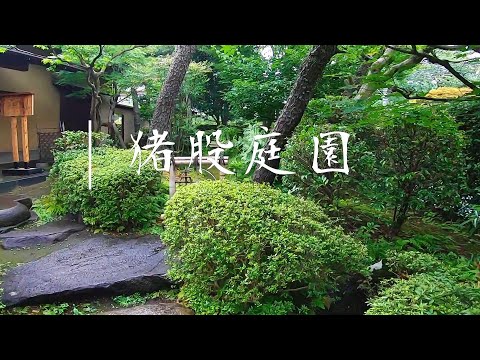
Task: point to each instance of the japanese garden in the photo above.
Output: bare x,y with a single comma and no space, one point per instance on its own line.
240,180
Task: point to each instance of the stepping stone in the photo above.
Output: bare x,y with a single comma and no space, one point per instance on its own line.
14,210
151,309
42,235
102,265
33,218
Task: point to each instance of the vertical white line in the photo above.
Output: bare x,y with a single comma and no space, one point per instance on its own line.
89,154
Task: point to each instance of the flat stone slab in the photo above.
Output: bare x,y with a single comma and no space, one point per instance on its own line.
151,309
102,265
42,235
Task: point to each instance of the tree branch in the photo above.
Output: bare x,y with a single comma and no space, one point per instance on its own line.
297,289
100,53
126,50
82,65
407,95
449,47
435,60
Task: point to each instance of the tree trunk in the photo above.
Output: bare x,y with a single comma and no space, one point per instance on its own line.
95,111
111,122
93,80
224,116
399,217
162,117
118,135
137,120
188,105
367,89
310,72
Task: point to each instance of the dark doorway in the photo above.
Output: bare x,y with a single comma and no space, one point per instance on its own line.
74,111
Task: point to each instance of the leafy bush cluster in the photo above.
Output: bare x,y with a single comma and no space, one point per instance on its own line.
428,285
76,140
403,158
436,293
243,248
120,199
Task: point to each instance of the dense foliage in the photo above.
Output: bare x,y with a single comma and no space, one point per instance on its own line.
427,285
120,199
76,140
247,248
411,198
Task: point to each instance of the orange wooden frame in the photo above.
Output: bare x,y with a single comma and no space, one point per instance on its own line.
13,106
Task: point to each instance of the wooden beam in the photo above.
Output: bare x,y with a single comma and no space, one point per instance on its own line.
26,150
185,160
14,135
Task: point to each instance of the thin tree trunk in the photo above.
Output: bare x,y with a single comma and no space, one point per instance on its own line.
162,116
310,72
188,105
95,111
111,122
400,216
137,120
118,136
93,79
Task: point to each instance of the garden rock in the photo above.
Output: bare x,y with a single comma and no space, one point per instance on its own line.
101,265
43,235
12,213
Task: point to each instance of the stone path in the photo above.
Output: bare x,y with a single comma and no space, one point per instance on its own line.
158,308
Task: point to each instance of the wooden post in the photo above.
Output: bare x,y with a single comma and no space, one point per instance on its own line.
14,134
26,150
172,183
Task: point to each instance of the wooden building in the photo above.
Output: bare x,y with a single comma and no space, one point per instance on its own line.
22,71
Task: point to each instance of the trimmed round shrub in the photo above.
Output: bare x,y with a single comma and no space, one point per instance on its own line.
241,248
120,199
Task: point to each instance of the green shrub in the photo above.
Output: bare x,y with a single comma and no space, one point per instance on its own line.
47,209
120,199
436,293
248,248
427,284
77,140
411,262
298,157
